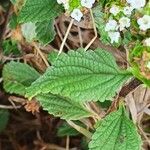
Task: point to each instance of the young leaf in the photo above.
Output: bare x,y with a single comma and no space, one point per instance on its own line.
45,31
10,47
13,21
28,31
4,116
39,10
74,4
62,107
82,76
100,24
116,132
17,76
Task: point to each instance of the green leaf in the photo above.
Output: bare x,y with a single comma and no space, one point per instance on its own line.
100,24
17,76
74,4
52,56
28,31
39,10
45,31
4,116
127,38
62,107
82,76
13,21
10,47
116,132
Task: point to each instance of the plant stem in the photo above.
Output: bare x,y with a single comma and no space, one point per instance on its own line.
65,38
67,143
60,35
10,107
1,79
95,31
85,132
41,54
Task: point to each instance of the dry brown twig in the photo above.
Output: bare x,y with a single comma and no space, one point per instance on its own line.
65,38
95,31
41,54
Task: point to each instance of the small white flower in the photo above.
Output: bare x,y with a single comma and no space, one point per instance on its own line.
76,14
92,1
111,25
128,10
87,3
137,4
148,65
114,10
144,22
61,1
124,23
66,6
114,36
147,42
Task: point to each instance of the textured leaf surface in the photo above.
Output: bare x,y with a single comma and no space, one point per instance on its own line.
39,10
52,56
116,132
4,116
81,76
17,76
62,107
45,31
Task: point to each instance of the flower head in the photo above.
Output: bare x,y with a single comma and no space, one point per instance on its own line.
77,14
148,65
128,10
114,36
147,42
62,1
144,22
87,3
114,10
66,6
65,3
124,23
111,25
137,4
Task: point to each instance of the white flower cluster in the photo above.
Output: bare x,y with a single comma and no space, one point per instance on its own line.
113,27
76,13
115,10
136,4
87,3
144,22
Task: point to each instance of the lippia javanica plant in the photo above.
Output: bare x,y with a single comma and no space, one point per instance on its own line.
82,81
